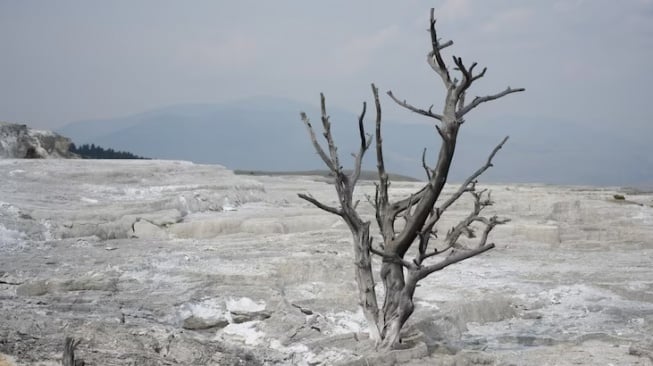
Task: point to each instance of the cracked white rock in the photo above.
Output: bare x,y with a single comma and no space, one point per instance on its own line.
245,310
203,315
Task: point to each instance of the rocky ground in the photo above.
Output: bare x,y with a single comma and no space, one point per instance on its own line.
170,263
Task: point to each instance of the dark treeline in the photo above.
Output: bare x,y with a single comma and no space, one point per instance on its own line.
92,151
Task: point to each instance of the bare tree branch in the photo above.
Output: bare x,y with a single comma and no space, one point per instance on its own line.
469,183
333,150
467,186
414,198
480,75
463,227
325,158
415,109
366,141
433,253
426,167
468,76
478,100
319,204
440,132
380,164
382,198
489,226
455,258
444,45
435,57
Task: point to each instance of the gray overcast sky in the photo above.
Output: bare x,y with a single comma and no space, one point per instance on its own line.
584,61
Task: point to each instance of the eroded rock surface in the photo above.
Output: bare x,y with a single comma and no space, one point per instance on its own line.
170,263
21,142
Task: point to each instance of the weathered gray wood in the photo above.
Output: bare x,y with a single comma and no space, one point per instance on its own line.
419,210
69,353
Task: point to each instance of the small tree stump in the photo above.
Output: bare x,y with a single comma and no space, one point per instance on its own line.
69,353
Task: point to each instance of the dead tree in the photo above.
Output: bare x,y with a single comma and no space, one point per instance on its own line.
420,212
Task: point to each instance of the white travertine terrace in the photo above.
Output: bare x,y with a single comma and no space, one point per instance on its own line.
120,254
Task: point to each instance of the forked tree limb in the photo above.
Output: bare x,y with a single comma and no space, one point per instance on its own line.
468,75
451,239
468,186
478,100
397,208
328,160
464,227
345,185
493,222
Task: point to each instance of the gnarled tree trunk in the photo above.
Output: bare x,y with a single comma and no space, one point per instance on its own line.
365,279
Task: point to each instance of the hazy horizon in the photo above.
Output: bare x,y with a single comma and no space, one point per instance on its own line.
584,64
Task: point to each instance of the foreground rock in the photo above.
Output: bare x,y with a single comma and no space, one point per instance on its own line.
165,263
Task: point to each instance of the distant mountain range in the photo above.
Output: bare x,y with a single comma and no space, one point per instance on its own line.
266,134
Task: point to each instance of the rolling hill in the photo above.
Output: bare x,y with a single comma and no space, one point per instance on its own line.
266,134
